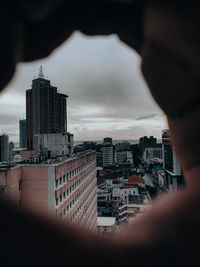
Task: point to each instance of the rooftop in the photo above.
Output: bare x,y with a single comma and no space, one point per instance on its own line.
135,179
106,221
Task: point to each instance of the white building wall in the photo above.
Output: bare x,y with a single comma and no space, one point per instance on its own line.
123,193
58,144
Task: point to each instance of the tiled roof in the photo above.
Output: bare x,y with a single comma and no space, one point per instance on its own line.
135,179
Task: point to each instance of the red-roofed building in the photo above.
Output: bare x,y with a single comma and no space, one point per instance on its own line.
135,179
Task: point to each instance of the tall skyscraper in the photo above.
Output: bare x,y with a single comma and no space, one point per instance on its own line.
46,110
22,133
4,148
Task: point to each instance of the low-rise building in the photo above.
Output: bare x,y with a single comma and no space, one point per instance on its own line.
106,224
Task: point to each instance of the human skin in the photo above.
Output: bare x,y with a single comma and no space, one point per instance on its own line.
167,38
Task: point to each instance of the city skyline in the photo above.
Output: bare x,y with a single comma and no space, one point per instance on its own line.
107,96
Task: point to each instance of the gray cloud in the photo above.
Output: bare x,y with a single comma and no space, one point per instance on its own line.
148,116
105,87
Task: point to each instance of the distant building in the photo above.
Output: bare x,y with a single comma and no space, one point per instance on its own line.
124,157
4,148
100,158
107,140
152,153
124,146
22,133
173,174
11,146
107,151
53,145
89,145
16,152
46,110
145,142
106,224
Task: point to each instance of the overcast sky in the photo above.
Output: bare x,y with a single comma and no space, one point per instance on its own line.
107,94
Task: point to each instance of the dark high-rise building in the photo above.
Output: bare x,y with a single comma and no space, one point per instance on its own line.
46,110
107,151
11,146
145,142
4,148
22,133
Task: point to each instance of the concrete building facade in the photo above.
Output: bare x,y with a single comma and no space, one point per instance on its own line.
53,145
67,190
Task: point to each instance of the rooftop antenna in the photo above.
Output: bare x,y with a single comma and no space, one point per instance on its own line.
41,74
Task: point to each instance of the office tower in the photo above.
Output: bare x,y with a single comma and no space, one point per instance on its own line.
173,173
22,133
46,110
107,151
4,148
